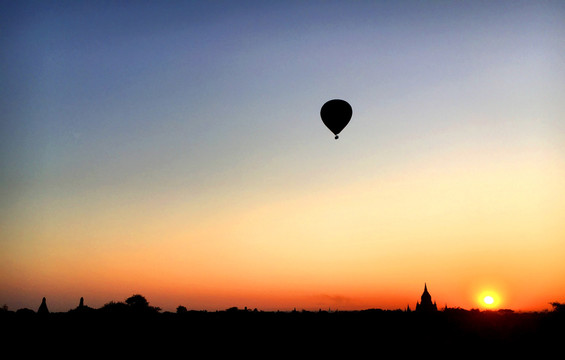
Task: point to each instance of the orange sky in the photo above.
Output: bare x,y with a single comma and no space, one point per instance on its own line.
492,226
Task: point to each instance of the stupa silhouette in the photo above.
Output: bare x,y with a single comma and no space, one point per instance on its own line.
43,308
425,304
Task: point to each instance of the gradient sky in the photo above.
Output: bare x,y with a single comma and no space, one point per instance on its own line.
176,150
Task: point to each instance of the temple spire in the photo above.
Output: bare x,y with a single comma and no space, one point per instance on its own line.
43,308
426,303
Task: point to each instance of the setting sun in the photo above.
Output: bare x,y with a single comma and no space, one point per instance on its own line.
489,299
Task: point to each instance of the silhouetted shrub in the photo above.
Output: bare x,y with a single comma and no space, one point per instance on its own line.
558,307
25,312
115,307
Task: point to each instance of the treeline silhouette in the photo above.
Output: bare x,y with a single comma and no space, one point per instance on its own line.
136,325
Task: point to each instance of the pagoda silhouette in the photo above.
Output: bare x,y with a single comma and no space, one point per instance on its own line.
425,304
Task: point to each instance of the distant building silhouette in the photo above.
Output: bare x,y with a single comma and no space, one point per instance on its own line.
425,304
81,308
43,308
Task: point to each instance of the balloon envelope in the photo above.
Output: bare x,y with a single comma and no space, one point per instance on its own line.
336,114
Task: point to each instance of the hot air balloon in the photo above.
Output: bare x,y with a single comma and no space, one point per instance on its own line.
336,114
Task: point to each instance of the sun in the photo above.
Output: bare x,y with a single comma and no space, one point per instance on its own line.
489,300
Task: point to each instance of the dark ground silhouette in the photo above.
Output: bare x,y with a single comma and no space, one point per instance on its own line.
134,326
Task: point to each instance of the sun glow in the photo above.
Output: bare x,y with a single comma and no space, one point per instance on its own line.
489,300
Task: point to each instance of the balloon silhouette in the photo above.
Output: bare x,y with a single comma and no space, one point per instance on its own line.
336,114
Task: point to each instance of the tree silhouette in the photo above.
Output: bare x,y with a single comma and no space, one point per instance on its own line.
137,301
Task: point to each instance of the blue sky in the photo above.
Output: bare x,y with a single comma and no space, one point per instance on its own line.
119,87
